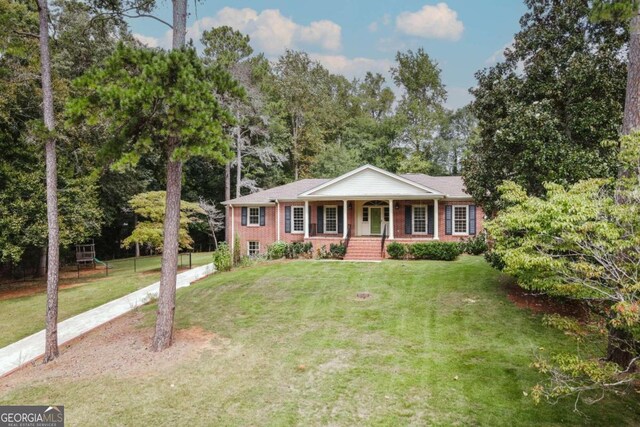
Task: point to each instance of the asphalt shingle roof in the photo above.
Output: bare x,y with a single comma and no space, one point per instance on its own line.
451,186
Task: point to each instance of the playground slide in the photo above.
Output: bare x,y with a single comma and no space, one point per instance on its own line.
101,262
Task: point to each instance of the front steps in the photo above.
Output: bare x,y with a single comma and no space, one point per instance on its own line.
364,250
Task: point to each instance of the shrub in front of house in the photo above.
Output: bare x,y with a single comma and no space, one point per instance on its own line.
476,245
396,250
298,249
222,257
293,250
277,250
337,250
439,251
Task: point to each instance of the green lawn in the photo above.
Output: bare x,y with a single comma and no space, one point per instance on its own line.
21,317
437,344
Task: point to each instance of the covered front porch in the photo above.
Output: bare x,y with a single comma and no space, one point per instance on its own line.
371,203
371,219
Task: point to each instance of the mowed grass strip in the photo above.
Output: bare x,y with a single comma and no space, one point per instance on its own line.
434,343
23,316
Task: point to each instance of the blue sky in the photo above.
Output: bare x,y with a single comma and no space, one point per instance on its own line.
352,36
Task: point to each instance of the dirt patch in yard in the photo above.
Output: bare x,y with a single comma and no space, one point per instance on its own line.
120,348
545,304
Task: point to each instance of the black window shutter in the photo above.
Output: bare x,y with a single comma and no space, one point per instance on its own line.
340,219
472,219
320,225
287,219
262,214
407,220
244,216
430,219
448,227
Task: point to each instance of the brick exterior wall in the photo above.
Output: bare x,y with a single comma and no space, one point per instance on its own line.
267,234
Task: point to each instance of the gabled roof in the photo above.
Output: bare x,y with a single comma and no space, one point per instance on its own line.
371,181
284,192
428,186
452,186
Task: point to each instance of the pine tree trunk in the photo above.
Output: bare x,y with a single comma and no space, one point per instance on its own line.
167,292
620,348
53,259
238,167
632,99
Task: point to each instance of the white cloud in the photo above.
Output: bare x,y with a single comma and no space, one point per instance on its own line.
433,22
498,55
352,67
324,33
375,25
146,40
270,31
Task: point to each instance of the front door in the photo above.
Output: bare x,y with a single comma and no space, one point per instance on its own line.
375,216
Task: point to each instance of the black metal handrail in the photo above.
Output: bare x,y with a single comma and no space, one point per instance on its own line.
384,237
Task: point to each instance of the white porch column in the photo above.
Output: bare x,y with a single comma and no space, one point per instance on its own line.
277,221
345,224
306,219
390,219
436,235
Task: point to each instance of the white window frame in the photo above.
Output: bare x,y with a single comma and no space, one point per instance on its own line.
325,230
249,223
249,248
453,220
413,219
293,220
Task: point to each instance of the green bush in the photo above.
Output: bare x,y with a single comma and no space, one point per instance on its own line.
237,254
323,253
277,250
475,245
396,250
337,250
297,249
494,259
222,257
440,251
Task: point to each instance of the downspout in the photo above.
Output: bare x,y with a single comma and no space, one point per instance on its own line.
277,220
232,228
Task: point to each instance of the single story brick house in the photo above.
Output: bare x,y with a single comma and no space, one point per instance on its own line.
367,208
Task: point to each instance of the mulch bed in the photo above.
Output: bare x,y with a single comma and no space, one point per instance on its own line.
545,304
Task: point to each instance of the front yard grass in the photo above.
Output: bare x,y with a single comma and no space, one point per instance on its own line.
436,343
23,316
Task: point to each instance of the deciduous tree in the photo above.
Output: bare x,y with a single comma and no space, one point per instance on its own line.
544,111
163,102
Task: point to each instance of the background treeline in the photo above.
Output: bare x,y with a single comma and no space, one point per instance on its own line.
297,120
539,115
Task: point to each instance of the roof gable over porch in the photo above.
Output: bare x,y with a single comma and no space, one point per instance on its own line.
369,182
